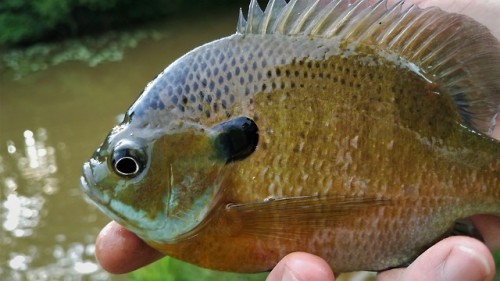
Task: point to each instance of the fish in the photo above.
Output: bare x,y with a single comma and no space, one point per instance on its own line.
356,131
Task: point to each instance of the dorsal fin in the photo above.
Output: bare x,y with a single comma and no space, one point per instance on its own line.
270,15
455,52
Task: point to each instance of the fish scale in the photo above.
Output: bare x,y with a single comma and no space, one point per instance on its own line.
354,131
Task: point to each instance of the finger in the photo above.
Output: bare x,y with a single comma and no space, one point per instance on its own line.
489,227
301,266
119,250
454,258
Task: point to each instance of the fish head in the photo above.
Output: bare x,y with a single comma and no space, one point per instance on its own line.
162,184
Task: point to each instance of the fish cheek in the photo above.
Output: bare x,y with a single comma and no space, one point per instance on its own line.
148,195
183,168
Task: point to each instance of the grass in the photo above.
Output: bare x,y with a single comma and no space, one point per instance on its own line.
170,269
496,255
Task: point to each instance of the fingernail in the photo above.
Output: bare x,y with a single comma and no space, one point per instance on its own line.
288,275
465,263
480,258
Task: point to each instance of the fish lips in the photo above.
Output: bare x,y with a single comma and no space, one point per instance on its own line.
88,184
98,199
104,202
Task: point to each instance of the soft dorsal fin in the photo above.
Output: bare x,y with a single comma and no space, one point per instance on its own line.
455,52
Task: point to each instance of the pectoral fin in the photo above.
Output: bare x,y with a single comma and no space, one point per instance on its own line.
290,217
465,227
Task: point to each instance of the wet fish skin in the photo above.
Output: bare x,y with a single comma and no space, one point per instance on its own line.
371,139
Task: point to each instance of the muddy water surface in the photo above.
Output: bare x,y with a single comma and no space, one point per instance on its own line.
50,123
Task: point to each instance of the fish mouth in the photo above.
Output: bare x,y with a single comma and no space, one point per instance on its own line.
102,201
88,185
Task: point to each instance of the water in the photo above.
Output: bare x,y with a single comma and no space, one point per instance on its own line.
50,123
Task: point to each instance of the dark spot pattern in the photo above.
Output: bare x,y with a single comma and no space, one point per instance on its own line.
207,83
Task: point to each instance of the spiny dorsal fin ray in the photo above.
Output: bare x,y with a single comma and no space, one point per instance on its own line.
345,21
286,18
271,13
309,12
242,23
255,15
455,52
363,28
326,17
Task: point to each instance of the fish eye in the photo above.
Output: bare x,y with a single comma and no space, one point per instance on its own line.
128,160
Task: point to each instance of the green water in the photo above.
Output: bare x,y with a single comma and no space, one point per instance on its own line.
50,123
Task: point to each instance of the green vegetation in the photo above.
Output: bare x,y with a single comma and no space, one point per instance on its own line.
39,34
26,21
496,255
91,50
169,269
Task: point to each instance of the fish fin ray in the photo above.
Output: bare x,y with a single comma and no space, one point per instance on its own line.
465,227
273,9
303,17
326,17
305,214
459,48
242,23
382,17
282,18
255,15
344,23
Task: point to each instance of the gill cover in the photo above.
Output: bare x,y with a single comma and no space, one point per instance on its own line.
187,169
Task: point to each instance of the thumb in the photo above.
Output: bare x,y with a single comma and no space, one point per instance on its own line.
454,258
301,266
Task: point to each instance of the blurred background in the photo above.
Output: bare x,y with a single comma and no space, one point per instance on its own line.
68,70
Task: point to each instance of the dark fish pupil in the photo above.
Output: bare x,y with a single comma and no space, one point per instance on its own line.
128,160
127,166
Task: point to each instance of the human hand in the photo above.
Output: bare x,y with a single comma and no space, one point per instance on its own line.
120,251
454,258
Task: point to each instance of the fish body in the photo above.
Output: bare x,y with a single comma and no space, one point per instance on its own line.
354,131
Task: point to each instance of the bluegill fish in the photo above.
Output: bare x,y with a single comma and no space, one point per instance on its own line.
358,132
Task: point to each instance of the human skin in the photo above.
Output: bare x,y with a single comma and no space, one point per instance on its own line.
454,258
